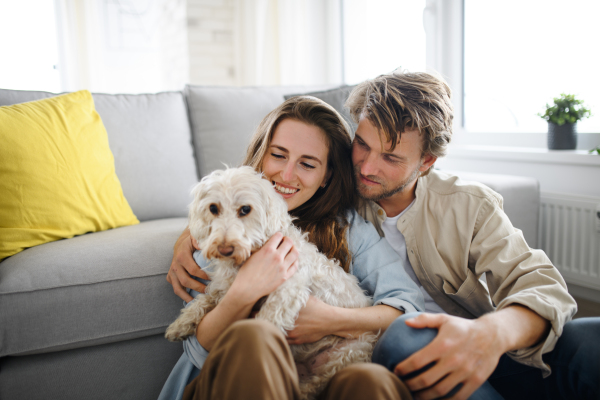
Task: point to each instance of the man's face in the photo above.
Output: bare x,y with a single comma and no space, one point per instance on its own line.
385,173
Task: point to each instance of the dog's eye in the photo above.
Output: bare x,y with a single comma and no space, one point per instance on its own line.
214,209
245,210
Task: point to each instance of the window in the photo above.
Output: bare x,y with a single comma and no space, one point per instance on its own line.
519,55
380,36
29,46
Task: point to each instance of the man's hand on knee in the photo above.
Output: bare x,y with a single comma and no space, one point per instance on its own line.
464,352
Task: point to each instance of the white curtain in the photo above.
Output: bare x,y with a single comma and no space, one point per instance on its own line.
288,42
131,46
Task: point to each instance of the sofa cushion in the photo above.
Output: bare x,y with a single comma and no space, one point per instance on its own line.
150,138
223,120
336,98
96,288
57,173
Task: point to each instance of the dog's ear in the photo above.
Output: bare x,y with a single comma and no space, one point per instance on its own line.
276,217
198,226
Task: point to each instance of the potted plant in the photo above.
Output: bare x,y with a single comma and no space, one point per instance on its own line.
562,119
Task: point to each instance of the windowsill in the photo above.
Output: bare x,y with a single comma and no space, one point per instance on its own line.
524,154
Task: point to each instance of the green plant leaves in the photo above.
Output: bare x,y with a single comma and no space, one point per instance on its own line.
566,109
595,149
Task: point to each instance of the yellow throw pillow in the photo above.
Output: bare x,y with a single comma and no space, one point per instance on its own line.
57,173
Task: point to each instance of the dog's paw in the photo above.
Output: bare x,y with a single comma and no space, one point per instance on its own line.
179,332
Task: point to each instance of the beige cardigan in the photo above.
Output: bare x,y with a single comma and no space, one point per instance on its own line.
456,232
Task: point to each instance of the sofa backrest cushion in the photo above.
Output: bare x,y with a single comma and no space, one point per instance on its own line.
336,98
223,120
150,138
57,173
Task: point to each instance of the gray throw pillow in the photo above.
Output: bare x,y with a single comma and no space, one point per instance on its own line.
336,98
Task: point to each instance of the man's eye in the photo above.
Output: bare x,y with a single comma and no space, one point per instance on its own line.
390,160
361,144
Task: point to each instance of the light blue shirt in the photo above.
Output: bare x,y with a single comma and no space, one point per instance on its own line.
380,273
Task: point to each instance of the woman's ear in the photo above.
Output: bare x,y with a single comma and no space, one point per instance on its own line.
326,179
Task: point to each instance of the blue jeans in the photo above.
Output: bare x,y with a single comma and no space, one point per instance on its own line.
575,363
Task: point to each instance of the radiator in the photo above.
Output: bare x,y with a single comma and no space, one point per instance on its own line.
569,234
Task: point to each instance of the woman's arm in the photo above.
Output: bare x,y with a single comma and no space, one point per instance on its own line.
260,275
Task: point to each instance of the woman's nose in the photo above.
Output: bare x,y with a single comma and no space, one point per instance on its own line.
288,173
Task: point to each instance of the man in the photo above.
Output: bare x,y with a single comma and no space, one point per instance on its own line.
450,234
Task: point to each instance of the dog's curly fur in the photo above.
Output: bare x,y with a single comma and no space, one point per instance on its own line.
219,218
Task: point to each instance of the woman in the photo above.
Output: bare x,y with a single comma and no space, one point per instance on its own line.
303,148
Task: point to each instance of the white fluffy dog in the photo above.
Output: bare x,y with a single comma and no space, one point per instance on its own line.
234,212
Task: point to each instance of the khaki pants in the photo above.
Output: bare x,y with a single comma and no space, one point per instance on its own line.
252,360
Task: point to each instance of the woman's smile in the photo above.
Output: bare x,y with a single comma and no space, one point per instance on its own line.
285,190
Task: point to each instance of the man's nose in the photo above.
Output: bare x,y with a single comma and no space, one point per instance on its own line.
368,165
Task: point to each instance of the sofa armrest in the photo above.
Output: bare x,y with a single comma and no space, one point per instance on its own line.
521,199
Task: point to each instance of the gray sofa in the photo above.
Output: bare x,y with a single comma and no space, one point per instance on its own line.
84,318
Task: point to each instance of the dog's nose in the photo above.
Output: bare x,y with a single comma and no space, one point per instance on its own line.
225,250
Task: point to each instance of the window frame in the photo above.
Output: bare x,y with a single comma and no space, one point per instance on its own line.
444,26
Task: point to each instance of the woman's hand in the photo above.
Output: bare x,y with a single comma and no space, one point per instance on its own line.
265,270
313,322
183,265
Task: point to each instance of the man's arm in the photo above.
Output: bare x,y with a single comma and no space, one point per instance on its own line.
467,351
183,265
318,320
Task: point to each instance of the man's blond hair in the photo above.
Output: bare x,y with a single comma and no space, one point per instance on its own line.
400,100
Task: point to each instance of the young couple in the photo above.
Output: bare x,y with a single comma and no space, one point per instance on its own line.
511,339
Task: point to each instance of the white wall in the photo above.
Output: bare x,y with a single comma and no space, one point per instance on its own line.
210,42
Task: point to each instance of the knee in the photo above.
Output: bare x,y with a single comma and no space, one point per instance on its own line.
582,330
359,375
248,333
399,341
364,381
580,339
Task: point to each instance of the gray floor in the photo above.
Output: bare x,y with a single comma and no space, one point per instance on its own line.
587,308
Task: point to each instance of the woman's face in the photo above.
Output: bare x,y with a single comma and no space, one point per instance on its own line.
296,161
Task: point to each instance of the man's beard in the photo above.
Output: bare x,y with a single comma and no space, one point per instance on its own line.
363,189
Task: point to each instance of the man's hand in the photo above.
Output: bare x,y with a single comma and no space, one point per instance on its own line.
464,352
183,265
313,323
467,351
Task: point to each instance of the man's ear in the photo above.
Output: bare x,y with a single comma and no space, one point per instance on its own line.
426,162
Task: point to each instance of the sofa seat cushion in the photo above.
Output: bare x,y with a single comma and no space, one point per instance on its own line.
150,138
92,289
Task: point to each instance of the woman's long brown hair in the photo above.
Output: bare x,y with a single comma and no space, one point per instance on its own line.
323,216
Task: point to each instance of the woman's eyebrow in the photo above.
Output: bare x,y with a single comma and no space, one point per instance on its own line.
302,156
